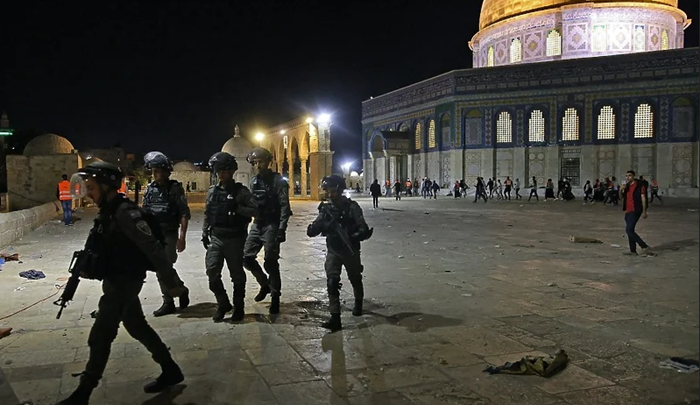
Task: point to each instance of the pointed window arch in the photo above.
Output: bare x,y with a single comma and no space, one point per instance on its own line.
644,122
606,123
516,50
553,43
432,143
445,130
570,125
664,40
490,57
504,128
418,136
536,126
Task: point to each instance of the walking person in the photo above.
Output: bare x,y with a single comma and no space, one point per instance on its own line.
480,190
499,190
517,189
655,191
634,204
387,189
588,193
549,190
508,184
533,189
409,188
397,190
63,194
375,191
435,189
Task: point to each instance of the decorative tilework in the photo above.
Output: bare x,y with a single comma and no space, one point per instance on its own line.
663,119
446,169
682,165
487,136
519,129
624,131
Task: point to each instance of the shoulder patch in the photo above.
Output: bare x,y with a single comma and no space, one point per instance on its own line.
135,214
144,228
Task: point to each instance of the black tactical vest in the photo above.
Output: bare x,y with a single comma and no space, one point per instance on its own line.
265,196
161,203
222,215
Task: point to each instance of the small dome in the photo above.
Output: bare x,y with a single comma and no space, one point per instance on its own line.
185,166
239,147
48,144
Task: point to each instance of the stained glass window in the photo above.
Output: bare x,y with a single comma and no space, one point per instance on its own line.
599,38
664,40
644,122
490,57
504,128
553,43
516,50
431,134
419,135
639,38
536,126
570,125
606,123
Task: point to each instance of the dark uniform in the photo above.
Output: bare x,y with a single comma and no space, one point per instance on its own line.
227,213
168,203
271,196
347,216
126,248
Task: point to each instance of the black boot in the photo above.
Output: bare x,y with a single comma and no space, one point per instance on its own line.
238,306
333,324
275,305
167,308
264,290
81,395
357,310
171,375
185,299
221,311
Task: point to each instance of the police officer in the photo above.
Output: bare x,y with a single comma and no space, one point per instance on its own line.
227,213
166,200
124,246
340,219
271,195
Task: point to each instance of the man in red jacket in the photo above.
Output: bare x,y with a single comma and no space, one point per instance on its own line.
634,203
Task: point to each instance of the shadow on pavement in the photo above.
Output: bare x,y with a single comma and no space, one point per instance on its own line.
168,397
675,245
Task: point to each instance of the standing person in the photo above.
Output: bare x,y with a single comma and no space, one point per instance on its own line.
549,190
416,187
508,184
463,188
227,213
165,200
409,188
124,247
634,204
457,189
269,229
517,189
397,190
387,189
533,189
375,191
480,190
588,193
188,187
345,216
655,191
560,189
499,190
490,185
435,189
63,194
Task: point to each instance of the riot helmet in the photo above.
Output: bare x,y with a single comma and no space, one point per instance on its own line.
333,182
102,172
223,161
259,154
157,160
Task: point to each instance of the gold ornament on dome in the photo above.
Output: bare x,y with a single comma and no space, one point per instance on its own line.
493,11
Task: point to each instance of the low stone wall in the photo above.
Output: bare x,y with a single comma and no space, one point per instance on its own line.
16,224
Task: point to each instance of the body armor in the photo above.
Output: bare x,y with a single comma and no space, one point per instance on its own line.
265,197
221,214
160,202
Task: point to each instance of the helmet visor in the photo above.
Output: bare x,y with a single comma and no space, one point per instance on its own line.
78,188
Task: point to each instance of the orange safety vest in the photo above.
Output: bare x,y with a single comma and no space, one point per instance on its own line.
408,184
64,190
122,189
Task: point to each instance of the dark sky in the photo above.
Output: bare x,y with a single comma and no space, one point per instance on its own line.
175,75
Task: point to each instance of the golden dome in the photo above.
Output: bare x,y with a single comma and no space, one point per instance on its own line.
493,11
48,144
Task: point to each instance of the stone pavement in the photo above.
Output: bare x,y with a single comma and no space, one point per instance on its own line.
452,286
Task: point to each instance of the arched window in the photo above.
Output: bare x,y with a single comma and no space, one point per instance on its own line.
516,50
600,38
664,40
403,127
536,126
640,40
431,134
504,128
445,129
490,57
553,43
606,123
644,122
570,125
419,135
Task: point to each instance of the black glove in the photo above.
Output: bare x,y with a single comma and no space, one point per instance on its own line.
205,241
281,236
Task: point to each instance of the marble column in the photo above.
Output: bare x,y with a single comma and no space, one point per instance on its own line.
304,180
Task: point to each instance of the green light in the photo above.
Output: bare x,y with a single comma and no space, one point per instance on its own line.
5,132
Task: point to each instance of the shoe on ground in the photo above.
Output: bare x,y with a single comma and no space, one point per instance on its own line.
238,314
185,299
647,252
333,324
221,312
275,306
165,379
357,309
166,309
629,253
262,293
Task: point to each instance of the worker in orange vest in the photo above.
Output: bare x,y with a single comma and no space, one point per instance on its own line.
122,189
64,196
409,187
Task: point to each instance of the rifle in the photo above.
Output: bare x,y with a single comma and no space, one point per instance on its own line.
336,229
73,281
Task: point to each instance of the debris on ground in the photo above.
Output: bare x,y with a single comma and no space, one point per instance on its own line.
581,239
9,258
401,256
681,365
5,332
543,366
32,274
552,285
615,245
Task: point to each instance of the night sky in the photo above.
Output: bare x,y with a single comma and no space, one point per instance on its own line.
174,76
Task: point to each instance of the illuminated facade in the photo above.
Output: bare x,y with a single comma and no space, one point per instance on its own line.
528,31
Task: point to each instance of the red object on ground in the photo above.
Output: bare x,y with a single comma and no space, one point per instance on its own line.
4,332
